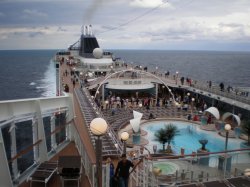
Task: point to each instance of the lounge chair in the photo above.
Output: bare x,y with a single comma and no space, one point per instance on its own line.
70,169
215,183
43,173
239,181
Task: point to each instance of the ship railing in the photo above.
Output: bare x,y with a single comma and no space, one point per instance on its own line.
232,94
216,90
188,169
86,101
88,166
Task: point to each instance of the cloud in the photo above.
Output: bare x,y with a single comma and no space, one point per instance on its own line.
33,13
149,3
124,23
45,37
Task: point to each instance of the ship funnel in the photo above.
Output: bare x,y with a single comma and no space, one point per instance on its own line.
87,30
88,43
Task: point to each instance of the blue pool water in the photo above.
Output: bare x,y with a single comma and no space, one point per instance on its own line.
189,137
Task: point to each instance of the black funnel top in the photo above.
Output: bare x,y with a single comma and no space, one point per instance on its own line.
87,45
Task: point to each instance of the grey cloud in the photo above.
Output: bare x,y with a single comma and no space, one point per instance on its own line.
35,34
34,13
61,29
232,25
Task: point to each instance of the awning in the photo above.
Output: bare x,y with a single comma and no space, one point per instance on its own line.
135,123
229,114
214,111
137,114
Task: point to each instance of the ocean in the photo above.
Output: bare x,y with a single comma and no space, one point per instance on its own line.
26,74
30,74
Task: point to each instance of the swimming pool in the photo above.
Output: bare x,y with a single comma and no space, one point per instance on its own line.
189,137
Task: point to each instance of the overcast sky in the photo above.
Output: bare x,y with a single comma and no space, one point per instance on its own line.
127,24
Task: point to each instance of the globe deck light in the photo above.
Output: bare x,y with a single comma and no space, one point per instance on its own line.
98,126
227,127
156,171
124,136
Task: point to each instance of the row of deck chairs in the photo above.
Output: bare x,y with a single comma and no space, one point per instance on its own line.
89,114
232,182
122,116
45,171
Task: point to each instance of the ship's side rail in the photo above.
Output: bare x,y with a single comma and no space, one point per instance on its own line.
228,94
190,169
235,94
32,131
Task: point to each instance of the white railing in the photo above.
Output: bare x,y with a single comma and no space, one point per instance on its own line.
191,169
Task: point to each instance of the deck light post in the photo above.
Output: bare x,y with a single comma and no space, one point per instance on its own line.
124,138
106,104
192,103
156,172
98,127
188,95
227,129
176,77
140,106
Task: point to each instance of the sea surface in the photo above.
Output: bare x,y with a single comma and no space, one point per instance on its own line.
30,74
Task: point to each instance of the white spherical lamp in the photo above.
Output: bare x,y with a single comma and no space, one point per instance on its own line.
98,52
98,126
156,171
124,136
227,127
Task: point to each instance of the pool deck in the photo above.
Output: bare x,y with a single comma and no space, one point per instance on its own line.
120,120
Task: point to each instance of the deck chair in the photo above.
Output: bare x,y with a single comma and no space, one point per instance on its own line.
215,183
239,181
188,185
70,174
43,173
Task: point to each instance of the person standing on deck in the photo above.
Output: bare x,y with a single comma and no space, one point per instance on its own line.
122,171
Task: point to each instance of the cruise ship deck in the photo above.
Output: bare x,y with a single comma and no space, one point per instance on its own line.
80,141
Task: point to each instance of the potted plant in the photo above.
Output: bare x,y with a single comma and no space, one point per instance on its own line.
166,135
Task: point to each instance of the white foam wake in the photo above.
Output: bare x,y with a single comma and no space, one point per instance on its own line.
49,81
